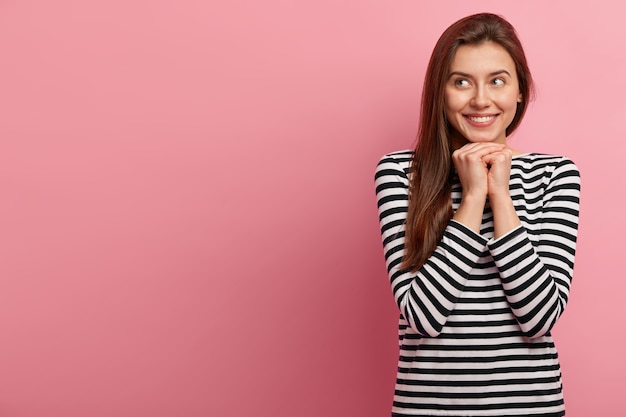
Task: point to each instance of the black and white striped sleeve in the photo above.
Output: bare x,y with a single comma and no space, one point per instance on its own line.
537,279
426,297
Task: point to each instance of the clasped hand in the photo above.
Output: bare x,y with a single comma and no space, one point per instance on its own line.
484,170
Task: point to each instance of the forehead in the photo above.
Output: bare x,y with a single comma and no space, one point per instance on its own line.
484,57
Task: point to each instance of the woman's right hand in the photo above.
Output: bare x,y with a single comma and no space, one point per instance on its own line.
473,170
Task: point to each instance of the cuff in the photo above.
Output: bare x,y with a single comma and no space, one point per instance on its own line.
467,232
504,240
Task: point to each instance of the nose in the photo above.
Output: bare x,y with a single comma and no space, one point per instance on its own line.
481,98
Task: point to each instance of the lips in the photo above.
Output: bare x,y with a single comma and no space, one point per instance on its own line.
480,120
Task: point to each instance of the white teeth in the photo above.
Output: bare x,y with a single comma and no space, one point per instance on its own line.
481,119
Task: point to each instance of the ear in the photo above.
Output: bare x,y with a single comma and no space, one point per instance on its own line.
519,98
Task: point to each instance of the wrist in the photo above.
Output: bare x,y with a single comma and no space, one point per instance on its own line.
470,211
474,197
499,196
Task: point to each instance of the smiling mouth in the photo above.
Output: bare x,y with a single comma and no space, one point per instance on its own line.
481,119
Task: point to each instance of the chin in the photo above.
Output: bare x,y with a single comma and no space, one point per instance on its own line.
461,139
480,139
486,137
485,140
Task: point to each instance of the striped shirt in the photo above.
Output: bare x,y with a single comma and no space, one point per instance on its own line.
475,319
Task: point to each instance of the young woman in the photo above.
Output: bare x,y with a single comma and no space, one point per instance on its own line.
479,238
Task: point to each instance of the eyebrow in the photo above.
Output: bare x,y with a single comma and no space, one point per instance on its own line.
492,74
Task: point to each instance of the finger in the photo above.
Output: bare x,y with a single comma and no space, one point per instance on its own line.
480,148
500,156
476,153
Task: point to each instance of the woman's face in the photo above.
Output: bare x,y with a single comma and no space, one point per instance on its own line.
481,94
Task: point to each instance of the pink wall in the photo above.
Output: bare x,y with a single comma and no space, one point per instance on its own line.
187,215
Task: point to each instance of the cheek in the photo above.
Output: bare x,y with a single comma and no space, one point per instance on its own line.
512,108
452,110
510,100
447,105
454,102
449,113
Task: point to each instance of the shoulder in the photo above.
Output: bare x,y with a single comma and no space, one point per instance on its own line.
544,163
392,173
555,172
395,161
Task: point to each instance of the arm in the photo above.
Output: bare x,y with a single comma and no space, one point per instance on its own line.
536,280
425,298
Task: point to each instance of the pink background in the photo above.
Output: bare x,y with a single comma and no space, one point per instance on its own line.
187,214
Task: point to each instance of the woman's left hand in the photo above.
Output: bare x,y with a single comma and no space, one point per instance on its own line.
499,173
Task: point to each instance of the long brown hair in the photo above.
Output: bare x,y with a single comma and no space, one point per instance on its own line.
430,203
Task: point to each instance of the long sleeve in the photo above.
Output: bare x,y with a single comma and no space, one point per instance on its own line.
536,273
425,298
475,319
